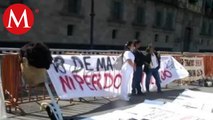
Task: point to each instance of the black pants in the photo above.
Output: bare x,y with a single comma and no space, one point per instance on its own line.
136,82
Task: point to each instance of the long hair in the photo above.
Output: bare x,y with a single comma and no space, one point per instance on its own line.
149,48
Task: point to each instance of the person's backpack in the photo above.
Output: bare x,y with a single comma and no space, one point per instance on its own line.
118,62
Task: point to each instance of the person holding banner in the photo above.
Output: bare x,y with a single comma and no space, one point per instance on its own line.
127,69
152,65
137,76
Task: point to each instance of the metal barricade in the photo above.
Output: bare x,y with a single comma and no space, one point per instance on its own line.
15,91
11,80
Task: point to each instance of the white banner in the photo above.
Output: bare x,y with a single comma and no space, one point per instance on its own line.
170,70
195,67
84,76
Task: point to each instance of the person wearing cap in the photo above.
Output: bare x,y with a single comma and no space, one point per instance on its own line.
152,65
127,69
137,76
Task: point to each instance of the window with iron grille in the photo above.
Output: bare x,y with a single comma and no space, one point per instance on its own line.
158,19
169,20
70,30
210,31
140,15
166,39
114,33
204,28
156,38
117,10
137,35
74,6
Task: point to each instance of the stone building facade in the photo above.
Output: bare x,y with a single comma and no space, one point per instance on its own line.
170,25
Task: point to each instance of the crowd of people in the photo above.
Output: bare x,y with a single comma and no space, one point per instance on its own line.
135,62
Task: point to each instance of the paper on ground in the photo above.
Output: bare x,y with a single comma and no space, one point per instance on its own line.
155,112
195,100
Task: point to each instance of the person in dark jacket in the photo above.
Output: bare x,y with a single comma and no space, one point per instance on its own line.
137,76
152,65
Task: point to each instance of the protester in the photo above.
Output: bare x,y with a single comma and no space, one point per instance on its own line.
127,69
35,59
137,76
152,65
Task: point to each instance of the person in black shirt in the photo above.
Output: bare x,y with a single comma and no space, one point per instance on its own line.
137,76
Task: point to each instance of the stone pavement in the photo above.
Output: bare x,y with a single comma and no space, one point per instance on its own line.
77,110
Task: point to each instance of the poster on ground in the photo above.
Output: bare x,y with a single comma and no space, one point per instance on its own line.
144,111
180,109
195,100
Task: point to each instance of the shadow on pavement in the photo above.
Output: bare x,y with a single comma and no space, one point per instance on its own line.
168,95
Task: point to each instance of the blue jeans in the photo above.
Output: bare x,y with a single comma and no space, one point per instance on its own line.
155,74
136,82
